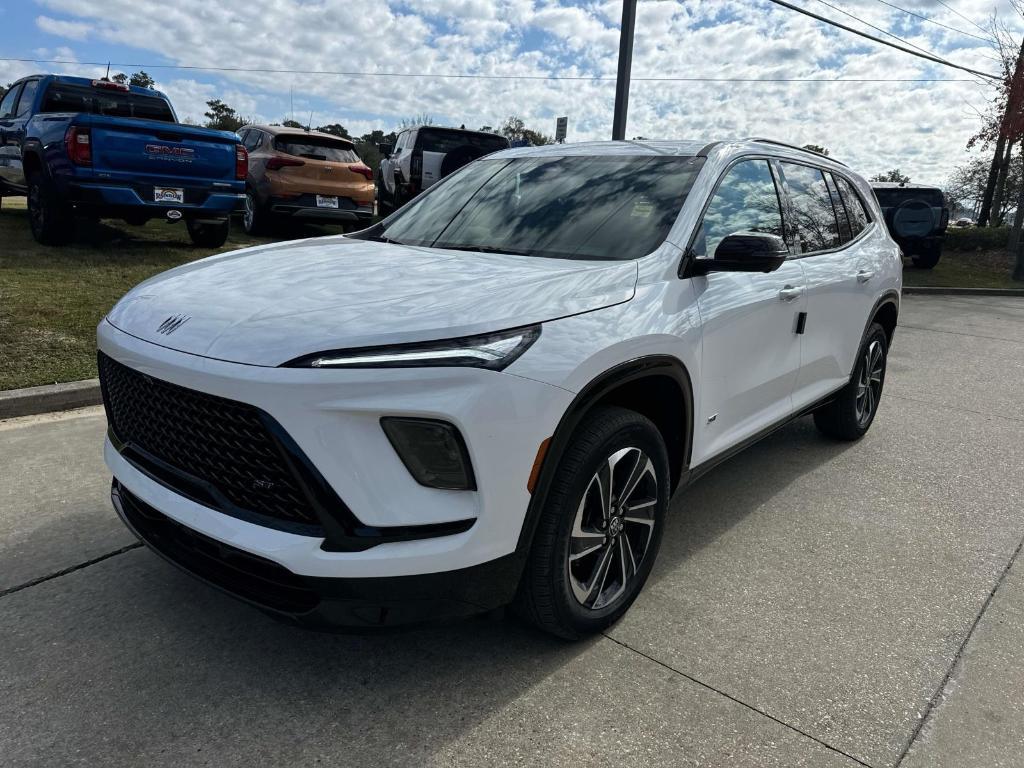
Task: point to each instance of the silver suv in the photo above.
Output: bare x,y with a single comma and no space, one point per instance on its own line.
424,155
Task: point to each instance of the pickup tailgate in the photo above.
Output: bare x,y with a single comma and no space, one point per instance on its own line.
160,151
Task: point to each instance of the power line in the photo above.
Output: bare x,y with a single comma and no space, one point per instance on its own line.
969,21
877,29
594,78
929,57
937,23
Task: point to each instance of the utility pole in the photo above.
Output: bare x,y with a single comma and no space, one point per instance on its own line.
625,67
1006,125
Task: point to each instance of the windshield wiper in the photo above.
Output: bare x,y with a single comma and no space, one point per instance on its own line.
484,249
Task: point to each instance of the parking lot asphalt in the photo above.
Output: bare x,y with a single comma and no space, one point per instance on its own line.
814,604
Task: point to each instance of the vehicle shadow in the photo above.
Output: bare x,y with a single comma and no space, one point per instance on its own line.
151,667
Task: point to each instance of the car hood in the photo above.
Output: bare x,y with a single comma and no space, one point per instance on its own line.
270,304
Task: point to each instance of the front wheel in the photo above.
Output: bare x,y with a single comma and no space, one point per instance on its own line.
600,528
209,235
849,416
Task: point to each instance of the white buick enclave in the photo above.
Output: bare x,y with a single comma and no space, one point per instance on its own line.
490,396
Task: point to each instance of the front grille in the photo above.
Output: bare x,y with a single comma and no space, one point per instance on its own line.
191,440
242,574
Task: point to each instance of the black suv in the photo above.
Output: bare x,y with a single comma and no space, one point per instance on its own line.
917,217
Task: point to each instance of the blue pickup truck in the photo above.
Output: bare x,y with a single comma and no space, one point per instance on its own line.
99,149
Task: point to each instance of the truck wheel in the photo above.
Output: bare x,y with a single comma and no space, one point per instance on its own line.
51,219
600,527
208,235
928,258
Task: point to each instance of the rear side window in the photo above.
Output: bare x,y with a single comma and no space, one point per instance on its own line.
839,208
28,95
859,218
317,148
435,140
746,201
815,227
10,99
68,97
252,139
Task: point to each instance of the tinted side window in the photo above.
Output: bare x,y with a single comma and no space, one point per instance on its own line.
745,201
814,220
837,206
28,95
854,206
252,139
7,105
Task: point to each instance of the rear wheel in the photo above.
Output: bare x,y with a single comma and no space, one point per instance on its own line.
849,416
254,216
207,235
928,257
51,219
600,528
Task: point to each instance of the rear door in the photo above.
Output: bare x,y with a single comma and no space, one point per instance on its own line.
750,353
828,240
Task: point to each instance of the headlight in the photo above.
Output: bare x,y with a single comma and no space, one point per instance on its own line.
494,351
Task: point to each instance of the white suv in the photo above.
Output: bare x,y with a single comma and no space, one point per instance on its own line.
490,396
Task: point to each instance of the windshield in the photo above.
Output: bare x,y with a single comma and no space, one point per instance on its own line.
607,208
317,148
68,97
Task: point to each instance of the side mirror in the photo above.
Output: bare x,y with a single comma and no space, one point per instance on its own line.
385,149
745,252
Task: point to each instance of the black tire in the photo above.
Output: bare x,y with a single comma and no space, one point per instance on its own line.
385,206
209,235
51,219
851,414
928,258
547,595
254,216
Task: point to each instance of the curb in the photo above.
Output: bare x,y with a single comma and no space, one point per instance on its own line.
927,290
49,397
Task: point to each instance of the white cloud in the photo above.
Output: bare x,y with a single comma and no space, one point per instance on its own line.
920,127
75,30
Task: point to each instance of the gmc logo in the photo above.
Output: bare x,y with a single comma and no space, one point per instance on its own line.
172,152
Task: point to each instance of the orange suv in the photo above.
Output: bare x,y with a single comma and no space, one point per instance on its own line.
307,175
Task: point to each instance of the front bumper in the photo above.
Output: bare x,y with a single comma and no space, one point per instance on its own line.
319,603
334,418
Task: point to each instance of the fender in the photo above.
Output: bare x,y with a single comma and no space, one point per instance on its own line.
632,370
890,296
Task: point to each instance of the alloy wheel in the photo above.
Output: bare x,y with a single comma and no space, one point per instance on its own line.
613,527
250,211
869,382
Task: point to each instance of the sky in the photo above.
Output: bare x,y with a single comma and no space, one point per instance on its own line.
919,127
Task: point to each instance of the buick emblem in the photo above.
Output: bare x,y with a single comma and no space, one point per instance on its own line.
172,323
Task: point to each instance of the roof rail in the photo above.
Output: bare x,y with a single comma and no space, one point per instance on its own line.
793,146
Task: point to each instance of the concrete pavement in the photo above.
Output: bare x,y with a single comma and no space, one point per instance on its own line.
814,604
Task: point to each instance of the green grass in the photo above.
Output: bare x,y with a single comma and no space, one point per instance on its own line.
965,269
51,299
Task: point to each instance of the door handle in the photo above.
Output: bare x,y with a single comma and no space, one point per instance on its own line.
864,275
789,293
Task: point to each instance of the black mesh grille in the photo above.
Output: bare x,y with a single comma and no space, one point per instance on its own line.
223,443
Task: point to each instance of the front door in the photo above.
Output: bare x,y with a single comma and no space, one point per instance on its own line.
750,352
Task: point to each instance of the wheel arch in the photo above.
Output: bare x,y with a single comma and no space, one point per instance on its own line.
886,313
658,387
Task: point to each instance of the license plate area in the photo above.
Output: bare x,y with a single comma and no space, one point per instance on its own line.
325,201
168,195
